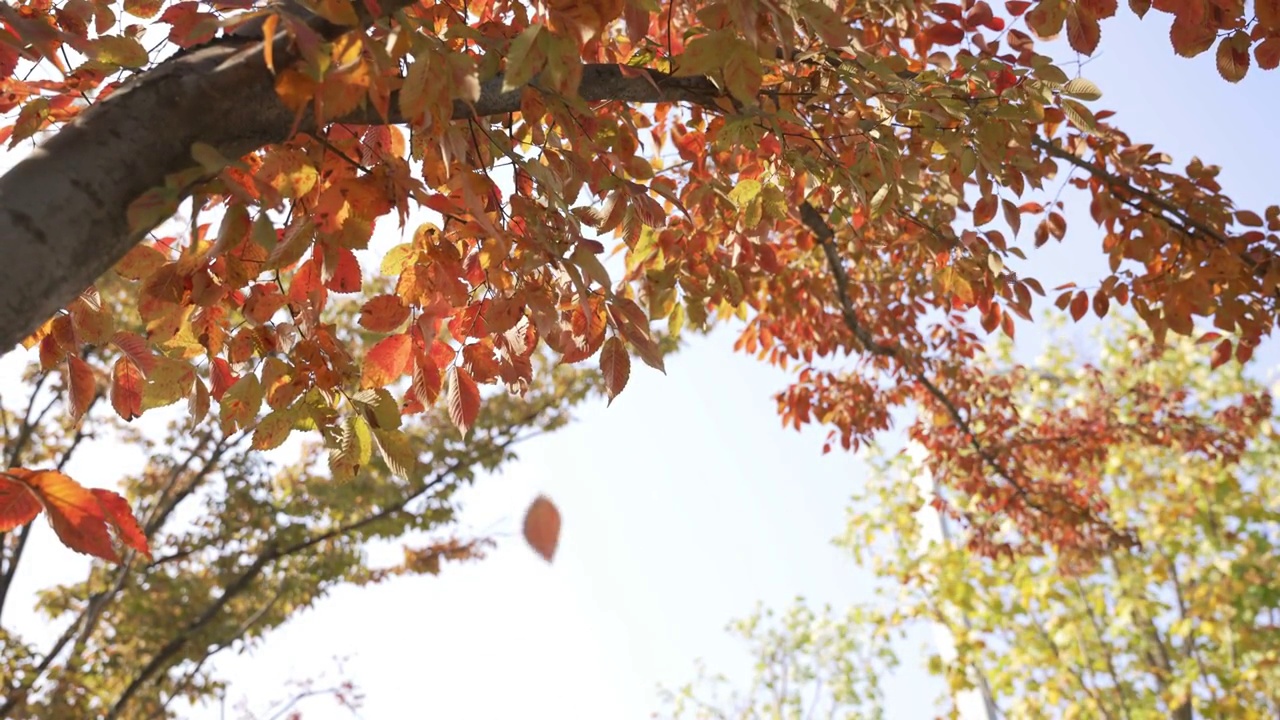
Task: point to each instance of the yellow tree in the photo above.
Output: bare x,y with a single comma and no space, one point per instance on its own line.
1184,623
236,544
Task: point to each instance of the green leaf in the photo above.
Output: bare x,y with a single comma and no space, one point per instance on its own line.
1082,89
744,192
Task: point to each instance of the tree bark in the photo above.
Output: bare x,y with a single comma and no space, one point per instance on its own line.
63,219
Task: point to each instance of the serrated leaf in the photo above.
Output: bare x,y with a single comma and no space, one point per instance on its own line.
81,386
1080,116
1082,89
744,192
126,389
383,313
387,361
381,407
83,519
523,60
463,397
615,366
396,450
273,429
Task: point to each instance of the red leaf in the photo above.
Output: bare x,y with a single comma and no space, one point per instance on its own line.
464,398
426,379
1079,305
80,386
1100,304
136,348
1016,7
387,361
542,527
947,34
126,389
18,505
984,210
220,378
383,313
1221,354
1267,53
615,365
346,276
121,517
1083,31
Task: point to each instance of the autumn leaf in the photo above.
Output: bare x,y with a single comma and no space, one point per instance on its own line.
1190,38
126,389
464,398
1083,31
83,519
542,527
383,313
1079,305
81,386
387,361
615,365
18,505
1233,56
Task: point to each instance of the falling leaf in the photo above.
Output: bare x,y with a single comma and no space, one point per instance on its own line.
542,527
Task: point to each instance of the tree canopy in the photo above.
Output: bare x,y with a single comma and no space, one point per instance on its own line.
1181,625
856,182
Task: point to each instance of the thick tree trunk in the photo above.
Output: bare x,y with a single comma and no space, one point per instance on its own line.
63,208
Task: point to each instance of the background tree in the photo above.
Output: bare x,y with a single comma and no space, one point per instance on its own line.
238,542
811,167
1180,625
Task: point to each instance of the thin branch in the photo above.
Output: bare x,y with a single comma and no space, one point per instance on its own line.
818,225
1117,183
172,647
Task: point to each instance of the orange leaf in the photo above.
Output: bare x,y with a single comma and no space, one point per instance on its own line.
426,379
1267,53
346,276
615,365
126,389
948,34
18,505
1189,37
220,378
464,398
984,210
387,361
383,313
80,386
82,518
122,519
542,527
136,348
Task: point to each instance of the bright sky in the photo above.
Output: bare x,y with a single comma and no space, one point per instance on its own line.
684,503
